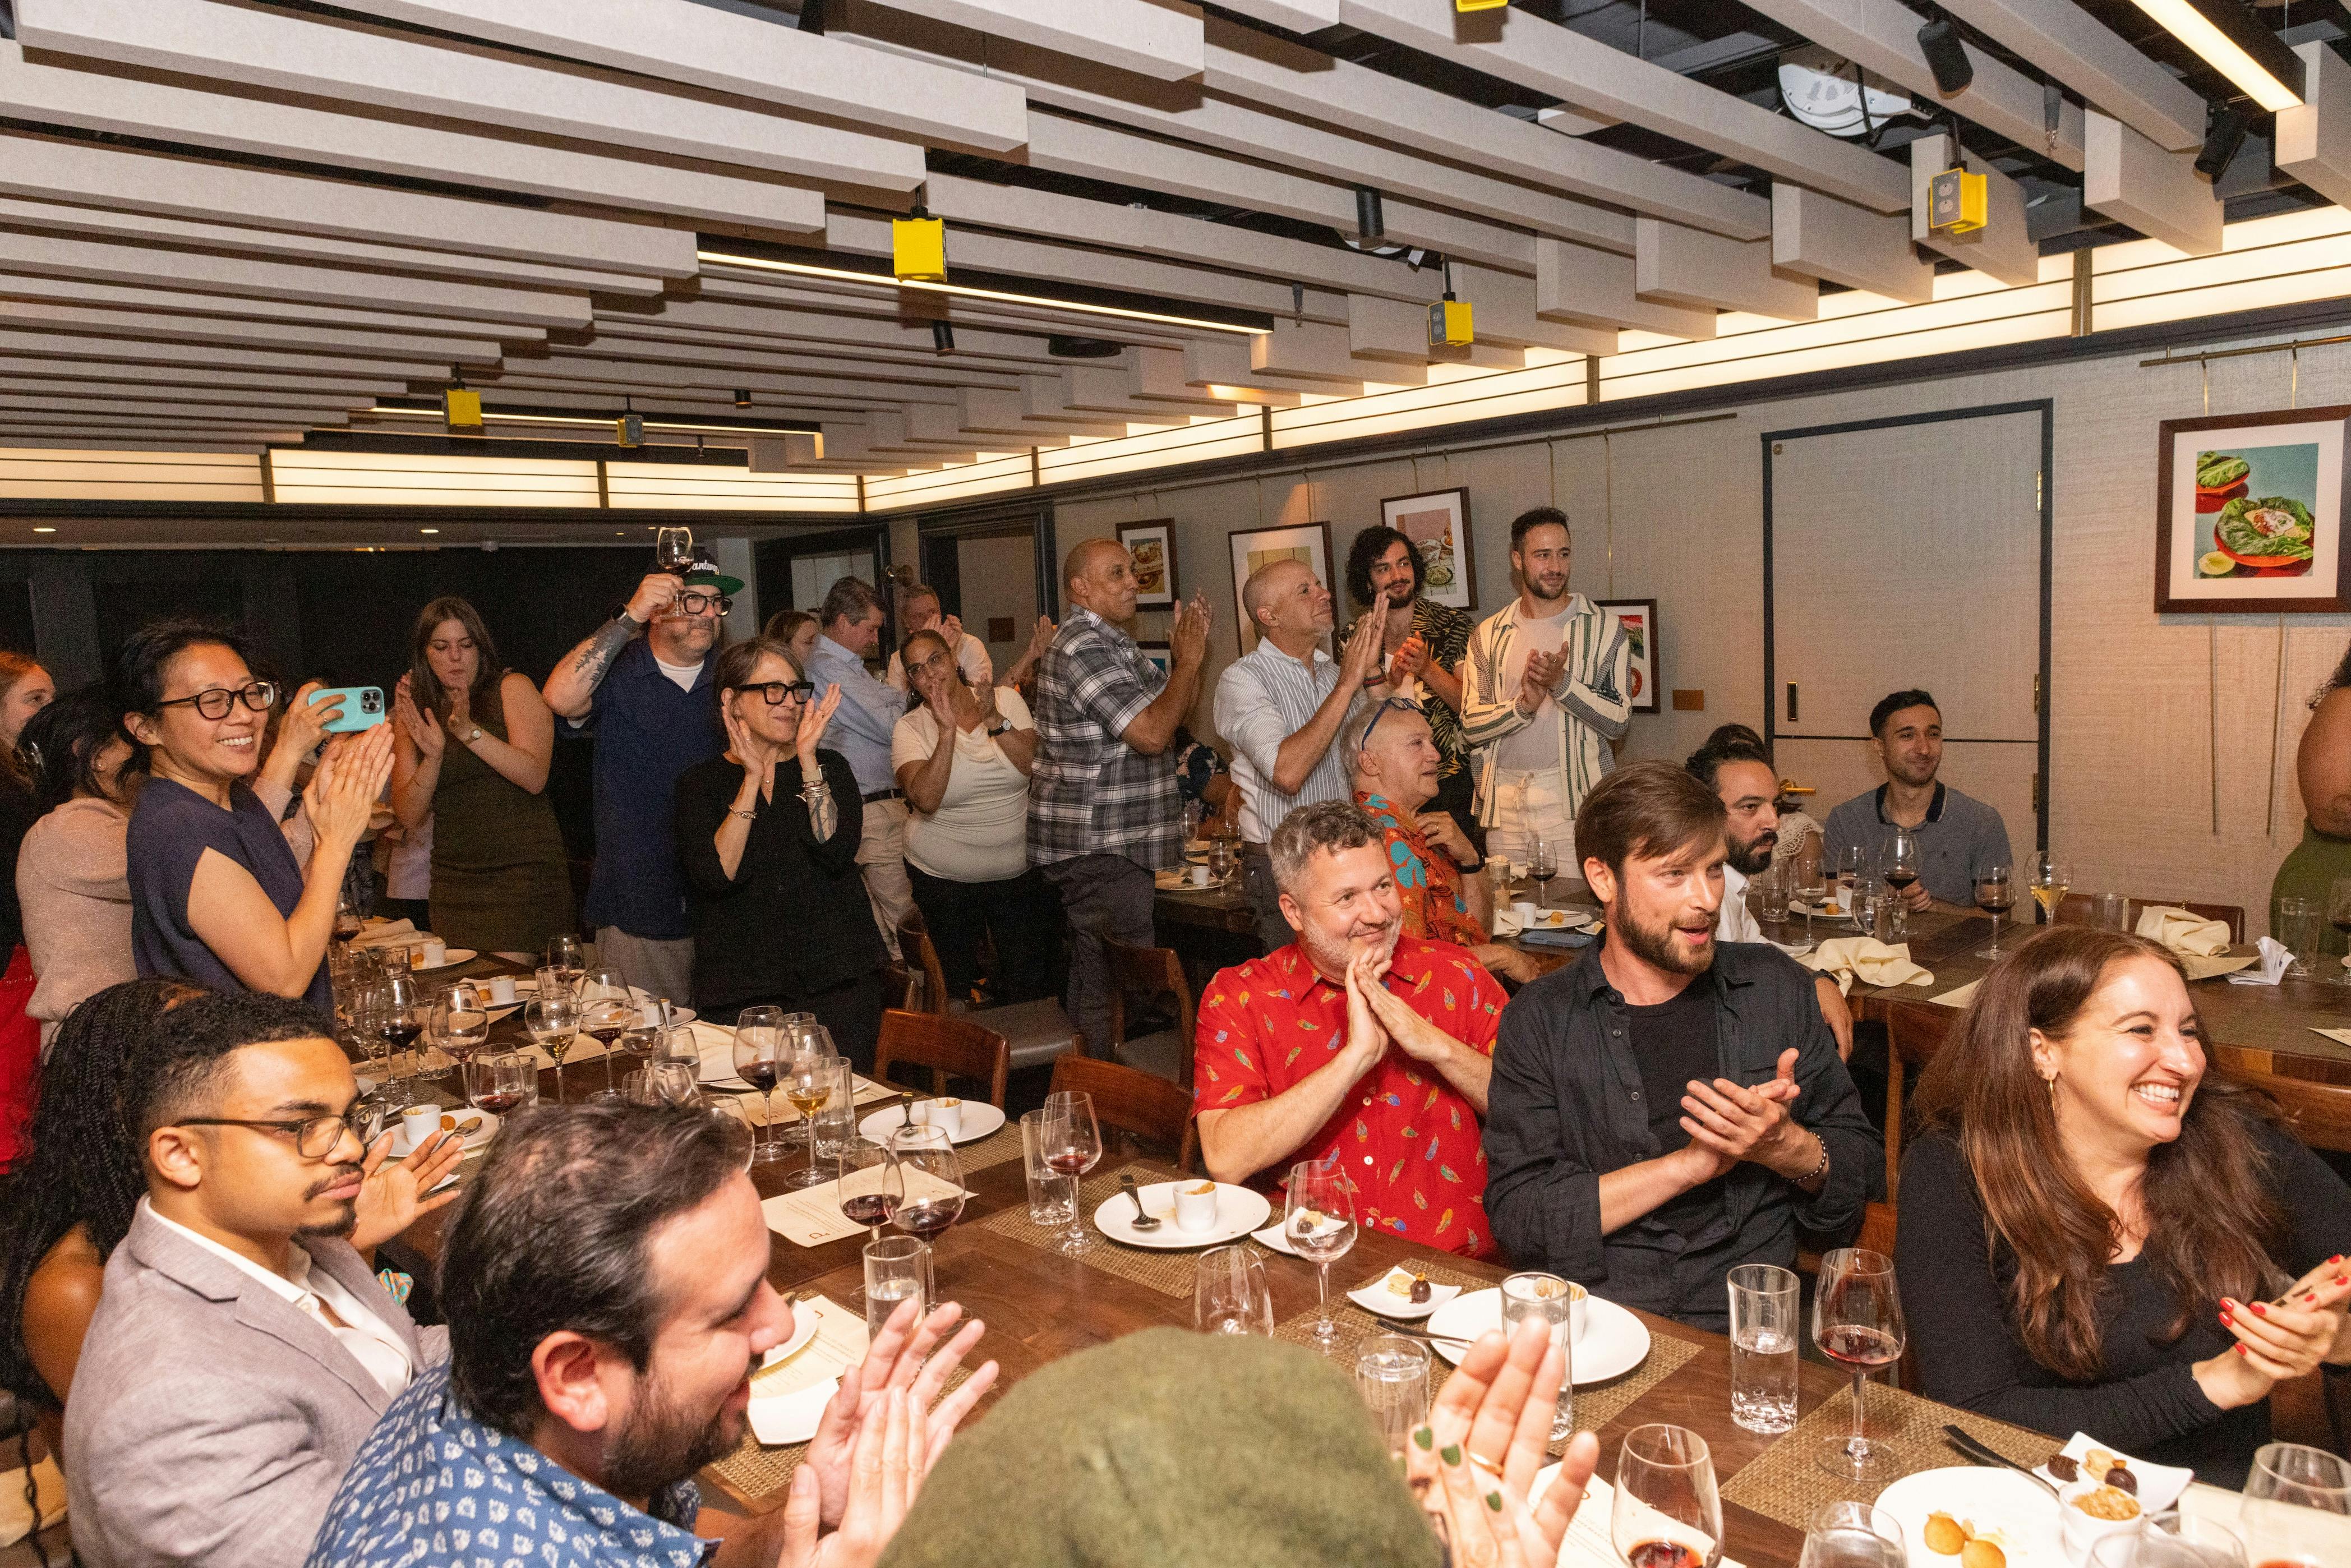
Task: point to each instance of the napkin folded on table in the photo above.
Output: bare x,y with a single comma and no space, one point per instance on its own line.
2275,959
2190,936
376,934
1867,960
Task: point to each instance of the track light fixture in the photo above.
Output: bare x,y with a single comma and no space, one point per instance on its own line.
943,337
1938,40
1370,222
2224,133
2230,38
742,398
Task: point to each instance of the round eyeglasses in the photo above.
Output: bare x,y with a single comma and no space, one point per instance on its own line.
694,603
216,702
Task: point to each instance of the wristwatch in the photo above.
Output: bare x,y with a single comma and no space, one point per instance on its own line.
999,726
473,735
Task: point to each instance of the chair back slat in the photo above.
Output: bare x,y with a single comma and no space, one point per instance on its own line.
1154,972
921,958
2317,1114
1139,1102
947,1046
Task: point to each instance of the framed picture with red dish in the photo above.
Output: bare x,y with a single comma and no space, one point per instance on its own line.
2248,513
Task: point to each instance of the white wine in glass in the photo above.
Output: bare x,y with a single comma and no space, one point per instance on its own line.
2051,878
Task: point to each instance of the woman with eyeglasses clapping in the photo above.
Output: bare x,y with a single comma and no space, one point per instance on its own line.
768,834
217,892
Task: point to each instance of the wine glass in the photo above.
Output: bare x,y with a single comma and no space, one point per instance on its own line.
1995,898
673,551
564,956
1857,1324
2172,1539
501,1083
1900,868
399,1019
606,1013
552,1023
919,1207
2338,915
1852,871
1072,1144
1229,1294
2051,879
1668,1512
673,1082
1542,864
2295,1502
759,1061
461,1025
1812,883
805,1075
1321,1223
863,1169
1853,1535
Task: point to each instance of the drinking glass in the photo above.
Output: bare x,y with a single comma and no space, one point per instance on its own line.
2110,911
673,1082
552,1023
2338,915
1229,1294
399,1019
673,551
2298,928
1810,885
502,1083
1542,864
461,1024
607,1010
835,1122
1049,1209
804,1076
1853,869
1764,1303
918,1207
1853,1535
1669,1512
1857,1324
1995,898
1321,1224
897,1269
2051,878
1771,887
759,1061
867,1198
2170,1540
1546,1298
1072,1145
1901,866
2296,1503
565,958
1391,1374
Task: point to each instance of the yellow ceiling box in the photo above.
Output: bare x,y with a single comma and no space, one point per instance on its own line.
628,430
1479,4
918,249
461,410
1956,202
1449,323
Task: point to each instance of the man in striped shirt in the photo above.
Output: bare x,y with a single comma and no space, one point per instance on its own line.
1543,694
1281,707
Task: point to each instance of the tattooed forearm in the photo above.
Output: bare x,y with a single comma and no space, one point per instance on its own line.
597,654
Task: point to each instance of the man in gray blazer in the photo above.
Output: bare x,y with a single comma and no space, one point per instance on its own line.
241,1349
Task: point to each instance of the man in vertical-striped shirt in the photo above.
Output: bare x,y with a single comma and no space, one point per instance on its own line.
1542,693
1281,707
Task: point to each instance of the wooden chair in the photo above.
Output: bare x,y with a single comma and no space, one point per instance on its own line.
2074,909
2318,1113
1034,1033
947,1046
1154,972
1134,1102
1914,1033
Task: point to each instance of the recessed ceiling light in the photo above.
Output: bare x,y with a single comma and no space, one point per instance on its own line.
428,530
45,530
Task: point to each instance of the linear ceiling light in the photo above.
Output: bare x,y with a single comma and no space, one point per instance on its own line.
2234,42
590,419
964,290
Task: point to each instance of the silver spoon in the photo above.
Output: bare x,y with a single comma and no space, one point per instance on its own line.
1142,1220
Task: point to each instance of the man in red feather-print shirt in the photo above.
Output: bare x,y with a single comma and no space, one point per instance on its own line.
1355,1042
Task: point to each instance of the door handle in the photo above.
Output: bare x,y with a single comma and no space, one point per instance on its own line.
1791,701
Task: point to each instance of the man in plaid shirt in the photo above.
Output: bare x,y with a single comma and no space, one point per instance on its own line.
1103,808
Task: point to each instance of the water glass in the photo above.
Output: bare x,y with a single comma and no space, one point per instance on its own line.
2110,911
836,1120
1853,1535
897,1269
1546,1297
1230,1293
2300,925
1765,1323
1391,1374
1769,887
1049,1192
2297,1507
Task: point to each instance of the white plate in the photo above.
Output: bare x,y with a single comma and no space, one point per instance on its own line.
452,956
980,1120
804,1327
2019,1517
1614,1341
1374,1297
482,1134
1273,1236
1793,949
2160,1486
1239,1212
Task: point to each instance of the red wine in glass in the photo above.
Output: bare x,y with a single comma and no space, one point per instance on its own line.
1900,881
1863,1349
929,1217
498,1102
759,1075
401,1036
1067,1164
869,1209
1663,1555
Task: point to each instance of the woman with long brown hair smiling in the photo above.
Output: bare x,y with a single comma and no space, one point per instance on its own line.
2095,1236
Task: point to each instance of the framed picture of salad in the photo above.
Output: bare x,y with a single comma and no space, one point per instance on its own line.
1438,524
1640,619
2250,511
1153,546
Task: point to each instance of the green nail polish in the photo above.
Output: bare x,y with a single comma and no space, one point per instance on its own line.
1452,1454
1427,1437
1494,1500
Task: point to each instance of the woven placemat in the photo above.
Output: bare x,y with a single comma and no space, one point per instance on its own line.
1596,1404
999,1146
756,1470
1168,1272
1787,1483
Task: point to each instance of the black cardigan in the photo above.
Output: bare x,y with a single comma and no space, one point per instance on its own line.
2148,1403
794,919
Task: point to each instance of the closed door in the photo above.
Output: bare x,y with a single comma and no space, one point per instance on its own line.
1910,554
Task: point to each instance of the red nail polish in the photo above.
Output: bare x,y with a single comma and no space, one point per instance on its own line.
2240,1350
2311,1296
2227,1321
2261,1308
2343,1279
2337,1259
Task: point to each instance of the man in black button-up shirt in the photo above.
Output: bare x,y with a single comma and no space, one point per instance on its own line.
1587,1177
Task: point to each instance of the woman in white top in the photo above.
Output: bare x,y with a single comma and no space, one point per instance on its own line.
968,832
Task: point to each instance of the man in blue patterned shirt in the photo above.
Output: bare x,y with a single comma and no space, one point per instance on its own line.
606,1282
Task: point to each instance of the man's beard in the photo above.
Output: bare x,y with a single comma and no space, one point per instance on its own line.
1655,945
1333,958
661,1445
348,1215
1547,592
1752,857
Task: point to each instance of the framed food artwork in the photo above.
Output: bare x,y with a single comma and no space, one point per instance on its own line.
1153,546
2248,513
1256,547
1640,619
1438,524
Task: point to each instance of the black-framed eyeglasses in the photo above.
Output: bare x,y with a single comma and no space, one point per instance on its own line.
938,660
694,603
216,702
775,692
1407,704
315,1138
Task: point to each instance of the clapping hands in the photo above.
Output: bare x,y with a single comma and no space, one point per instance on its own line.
1474,1464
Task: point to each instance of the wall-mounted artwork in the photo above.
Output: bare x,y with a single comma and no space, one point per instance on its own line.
1161,655
1438,524
1640,619
1153,546
1254,547
2248,513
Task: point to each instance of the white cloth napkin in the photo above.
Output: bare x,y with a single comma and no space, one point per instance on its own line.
2275,956
1866,958
388,931
2190,936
